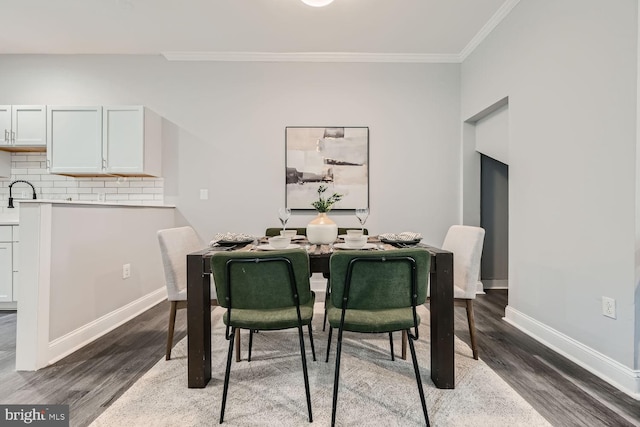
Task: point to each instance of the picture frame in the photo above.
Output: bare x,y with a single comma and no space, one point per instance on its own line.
334,156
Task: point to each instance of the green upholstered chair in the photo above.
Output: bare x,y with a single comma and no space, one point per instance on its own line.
343,230
302,231
377,292
264,291
275,231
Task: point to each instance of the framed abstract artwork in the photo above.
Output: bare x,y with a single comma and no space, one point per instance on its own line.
336,157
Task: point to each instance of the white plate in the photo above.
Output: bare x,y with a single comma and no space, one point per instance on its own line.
298,237
344,246
268,247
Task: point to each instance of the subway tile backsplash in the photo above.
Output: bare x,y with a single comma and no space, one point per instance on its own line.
32,167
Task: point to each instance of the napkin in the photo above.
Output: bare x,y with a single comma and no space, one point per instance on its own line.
231,237
405,236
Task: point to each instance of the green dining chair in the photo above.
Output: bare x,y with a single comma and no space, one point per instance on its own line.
377,292
275,231
264,291
343,230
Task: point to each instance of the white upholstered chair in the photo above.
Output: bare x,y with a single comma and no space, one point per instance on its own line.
175,244
466,244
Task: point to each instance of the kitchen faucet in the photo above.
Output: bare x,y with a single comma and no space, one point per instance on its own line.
15,182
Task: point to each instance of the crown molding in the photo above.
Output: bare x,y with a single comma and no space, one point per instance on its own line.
418,58
312,57
491,24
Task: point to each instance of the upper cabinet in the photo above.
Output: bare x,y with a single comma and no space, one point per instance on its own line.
23,127
109,140
74,140
131,141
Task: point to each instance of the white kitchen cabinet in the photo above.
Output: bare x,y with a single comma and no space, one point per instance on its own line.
6,264
109,140
74,140
131,141
23,127
16,262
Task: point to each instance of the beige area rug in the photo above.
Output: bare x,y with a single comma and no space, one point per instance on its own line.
269,390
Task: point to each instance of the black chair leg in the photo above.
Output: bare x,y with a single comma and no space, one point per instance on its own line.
326,360
418,380
326,299
313,349
226,374
250,344
393,358
336,378
304,370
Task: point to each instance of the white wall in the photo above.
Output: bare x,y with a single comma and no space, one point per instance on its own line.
225,122
569,70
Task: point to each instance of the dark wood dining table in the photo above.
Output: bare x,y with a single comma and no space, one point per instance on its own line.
199,312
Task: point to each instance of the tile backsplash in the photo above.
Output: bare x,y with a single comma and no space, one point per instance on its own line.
32,167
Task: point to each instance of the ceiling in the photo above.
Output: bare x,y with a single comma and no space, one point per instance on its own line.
396,27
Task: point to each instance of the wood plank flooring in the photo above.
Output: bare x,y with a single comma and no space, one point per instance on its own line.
93,377
90,379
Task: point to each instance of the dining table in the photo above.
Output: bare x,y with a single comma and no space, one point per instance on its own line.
440,307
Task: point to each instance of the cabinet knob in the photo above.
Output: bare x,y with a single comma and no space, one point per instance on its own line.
13,137
6,136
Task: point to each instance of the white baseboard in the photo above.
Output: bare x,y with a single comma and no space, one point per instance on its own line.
611,371
74,340
495,283
9,306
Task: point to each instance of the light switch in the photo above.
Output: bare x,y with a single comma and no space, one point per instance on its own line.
204,194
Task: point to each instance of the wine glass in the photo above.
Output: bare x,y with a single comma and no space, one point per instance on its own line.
362,214
284,214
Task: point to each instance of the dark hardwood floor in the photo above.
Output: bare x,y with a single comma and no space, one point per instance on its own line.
561,391
90,379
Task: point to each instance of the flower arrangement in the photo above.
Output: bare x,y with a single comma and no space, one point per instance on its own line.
325,205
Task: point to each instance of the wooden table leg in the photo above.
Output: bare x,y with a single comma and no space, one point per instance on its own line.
198,323
441,307
403,355
238,358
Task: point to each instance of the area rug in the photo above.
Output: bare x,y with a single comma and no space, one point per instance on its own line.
269,390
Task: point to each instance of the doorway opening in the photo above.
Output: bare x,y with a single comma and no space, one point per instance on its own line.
494,218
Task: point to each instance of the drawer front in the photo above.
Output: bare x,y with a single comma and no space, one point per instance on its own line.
5,233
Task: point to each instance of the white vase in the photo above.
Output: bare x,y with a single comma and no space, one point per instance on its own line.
322,230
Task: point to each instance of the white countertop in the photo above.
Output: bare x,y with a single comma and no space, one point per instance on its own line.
90,203
8,220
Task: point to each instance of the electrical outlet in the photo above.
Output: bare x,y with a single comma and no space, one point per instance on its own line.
126,271
609,307
204,194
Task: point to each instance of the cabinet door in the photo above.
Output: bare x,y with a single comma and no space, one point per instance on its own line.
15,262
6,272
123,139
29,125
74,140
5,125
